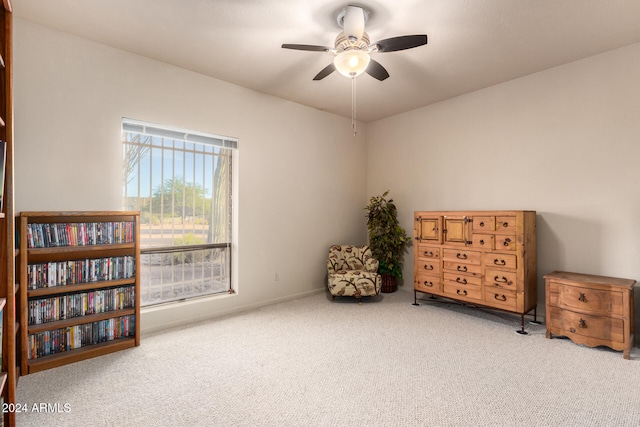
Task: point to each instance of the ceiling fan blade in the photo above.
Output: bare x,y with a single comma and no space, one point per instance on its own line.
401,43
374,69
325,72
310,47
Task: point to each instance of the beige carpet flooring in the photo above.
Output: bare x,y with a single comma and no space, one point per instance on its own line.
314,362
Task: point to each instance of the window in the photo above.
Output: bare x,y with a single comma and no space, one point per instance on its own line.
180,181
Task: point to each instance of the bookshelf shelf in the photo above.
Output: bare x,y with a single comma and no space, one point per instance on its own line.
76,355
43,292
80,291
80,320
10,370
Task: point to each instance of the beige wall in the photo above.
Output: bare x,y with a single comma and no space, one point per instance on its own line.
564,142
300,173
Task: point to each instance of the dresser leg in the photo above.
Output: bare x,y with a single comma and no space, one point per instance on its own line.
522,331
415,298
535,317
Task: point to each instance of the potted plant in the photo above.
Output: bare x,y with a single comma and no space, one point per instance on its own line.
387,239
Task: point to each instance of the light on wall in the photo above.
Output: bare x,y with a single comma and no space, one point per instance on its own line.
352,63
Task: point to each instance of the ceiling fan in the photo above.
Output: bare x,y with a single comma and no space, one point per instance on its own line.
353,49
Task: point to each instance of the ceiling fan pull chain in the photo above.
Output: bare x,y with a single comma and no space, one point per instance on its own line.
353,105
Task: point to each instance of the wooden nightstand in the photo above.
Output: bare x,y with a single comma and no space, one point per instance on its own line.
590,310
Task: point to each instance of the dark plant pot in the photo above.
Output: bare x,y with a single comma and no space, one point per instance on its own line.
389,283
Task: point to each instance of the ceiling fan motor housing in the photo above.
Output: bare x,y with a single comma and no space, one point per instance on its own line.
343,43
352,19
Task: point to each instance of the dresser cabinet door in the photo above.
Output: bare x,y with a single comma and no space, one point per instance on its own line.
457,230
429,229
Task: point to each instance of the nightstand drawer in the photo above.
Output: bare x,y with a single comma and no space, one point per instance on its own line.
601,328
592,301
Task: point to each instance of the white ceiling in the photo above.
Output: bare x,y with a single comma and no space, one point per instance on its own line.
472,43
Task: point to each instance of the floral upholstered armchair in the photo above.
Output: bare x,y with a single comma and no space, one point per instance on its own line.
352,271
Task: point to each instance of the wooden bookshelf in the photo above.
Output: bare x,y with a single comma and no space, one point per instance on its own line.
10,370
80,291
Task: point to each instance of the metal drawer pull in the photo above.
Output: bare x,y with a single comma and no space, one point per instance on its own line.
582,297
464,292
482,241
481,223
500,298
428,283
499,262
462,281
505,224
498,279
461,256
428,253
582,324
462,268
507,241
428,267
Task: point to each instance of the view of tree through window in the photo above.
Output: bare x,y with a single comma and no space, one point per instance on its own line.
180,181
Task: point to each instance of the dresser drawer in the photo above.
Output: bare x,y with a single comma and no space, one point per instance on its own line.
428,284
500,279
461,279
426,251
428,266
500,260
592,301
599,327
500,298
483,241
506,224
484,223
459,267
467,292
467,257
505,243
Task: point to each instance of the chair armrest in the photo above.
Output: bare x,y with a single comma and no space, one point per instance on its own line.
331,266
371,265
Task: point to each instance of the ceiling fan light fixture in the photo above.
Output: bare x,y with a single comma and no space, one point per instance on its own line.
352,63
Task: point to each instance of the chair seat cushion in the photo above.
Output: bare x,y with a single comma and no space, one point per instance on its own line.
358,283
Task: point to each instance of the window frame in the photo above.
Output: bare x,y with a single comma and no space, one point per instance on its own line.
229,145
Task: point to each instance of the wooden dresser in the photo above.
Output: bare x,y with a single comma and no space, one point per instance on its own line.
486,258
590,310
